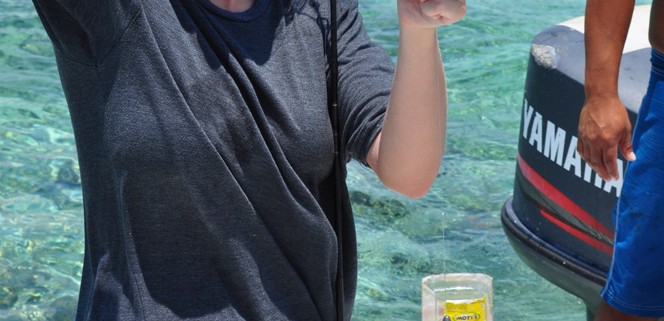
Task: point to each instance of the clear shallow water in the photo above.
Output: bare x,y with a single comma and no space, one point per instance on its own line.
400,240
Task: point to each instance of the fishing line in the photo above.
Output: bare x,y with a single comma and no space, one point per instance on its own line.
442,227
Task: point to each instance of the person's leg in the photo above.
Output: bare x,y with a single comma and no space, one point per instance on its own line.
605,312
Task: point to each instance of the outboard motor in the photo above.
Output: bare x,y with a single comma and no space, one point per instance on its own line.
559,217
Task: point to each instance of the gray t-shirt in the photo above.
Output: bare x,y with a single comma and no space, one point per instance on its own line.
206,154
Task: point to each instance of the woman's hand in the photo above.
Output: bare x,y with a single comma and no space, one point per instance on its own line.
430,13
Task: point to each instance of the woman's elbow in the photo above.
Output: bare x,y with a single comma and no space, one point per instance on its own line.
411,186
412,178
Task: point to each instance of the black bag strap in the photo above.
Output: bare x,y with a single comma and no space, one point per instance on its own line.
339,178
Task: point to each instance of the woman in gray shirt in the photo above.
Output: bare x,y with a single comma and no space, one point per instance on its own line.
206,151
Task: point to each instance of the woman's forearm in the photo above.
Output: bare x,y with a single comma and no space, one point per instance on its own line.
409,149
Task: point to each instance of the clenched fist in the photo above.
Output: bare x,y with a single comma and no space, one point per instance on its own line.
430,13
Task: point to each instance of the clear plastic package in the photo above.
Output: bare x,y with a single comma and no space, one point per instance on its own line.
457,297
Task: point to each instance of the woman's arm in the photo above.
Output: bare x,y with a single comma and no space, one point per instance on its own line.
406,155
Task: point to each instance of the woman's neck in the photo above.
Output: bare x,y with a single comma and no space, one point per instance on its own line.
234,5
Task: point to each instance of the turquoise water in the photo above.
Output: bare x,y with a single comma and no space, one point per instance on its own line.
400,240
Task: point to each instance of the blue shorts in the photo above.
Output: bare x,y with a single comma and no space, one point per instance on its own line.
636,278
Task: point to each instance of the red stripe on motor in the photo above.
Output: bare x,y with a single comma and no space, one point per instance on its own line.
582,236
559,198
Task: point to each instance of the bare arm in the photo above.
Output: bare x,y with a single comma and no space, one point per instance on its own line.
407,153
656,34
604,126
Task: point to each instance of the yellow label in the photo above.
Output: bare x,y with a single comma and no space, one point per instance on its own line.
466,310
